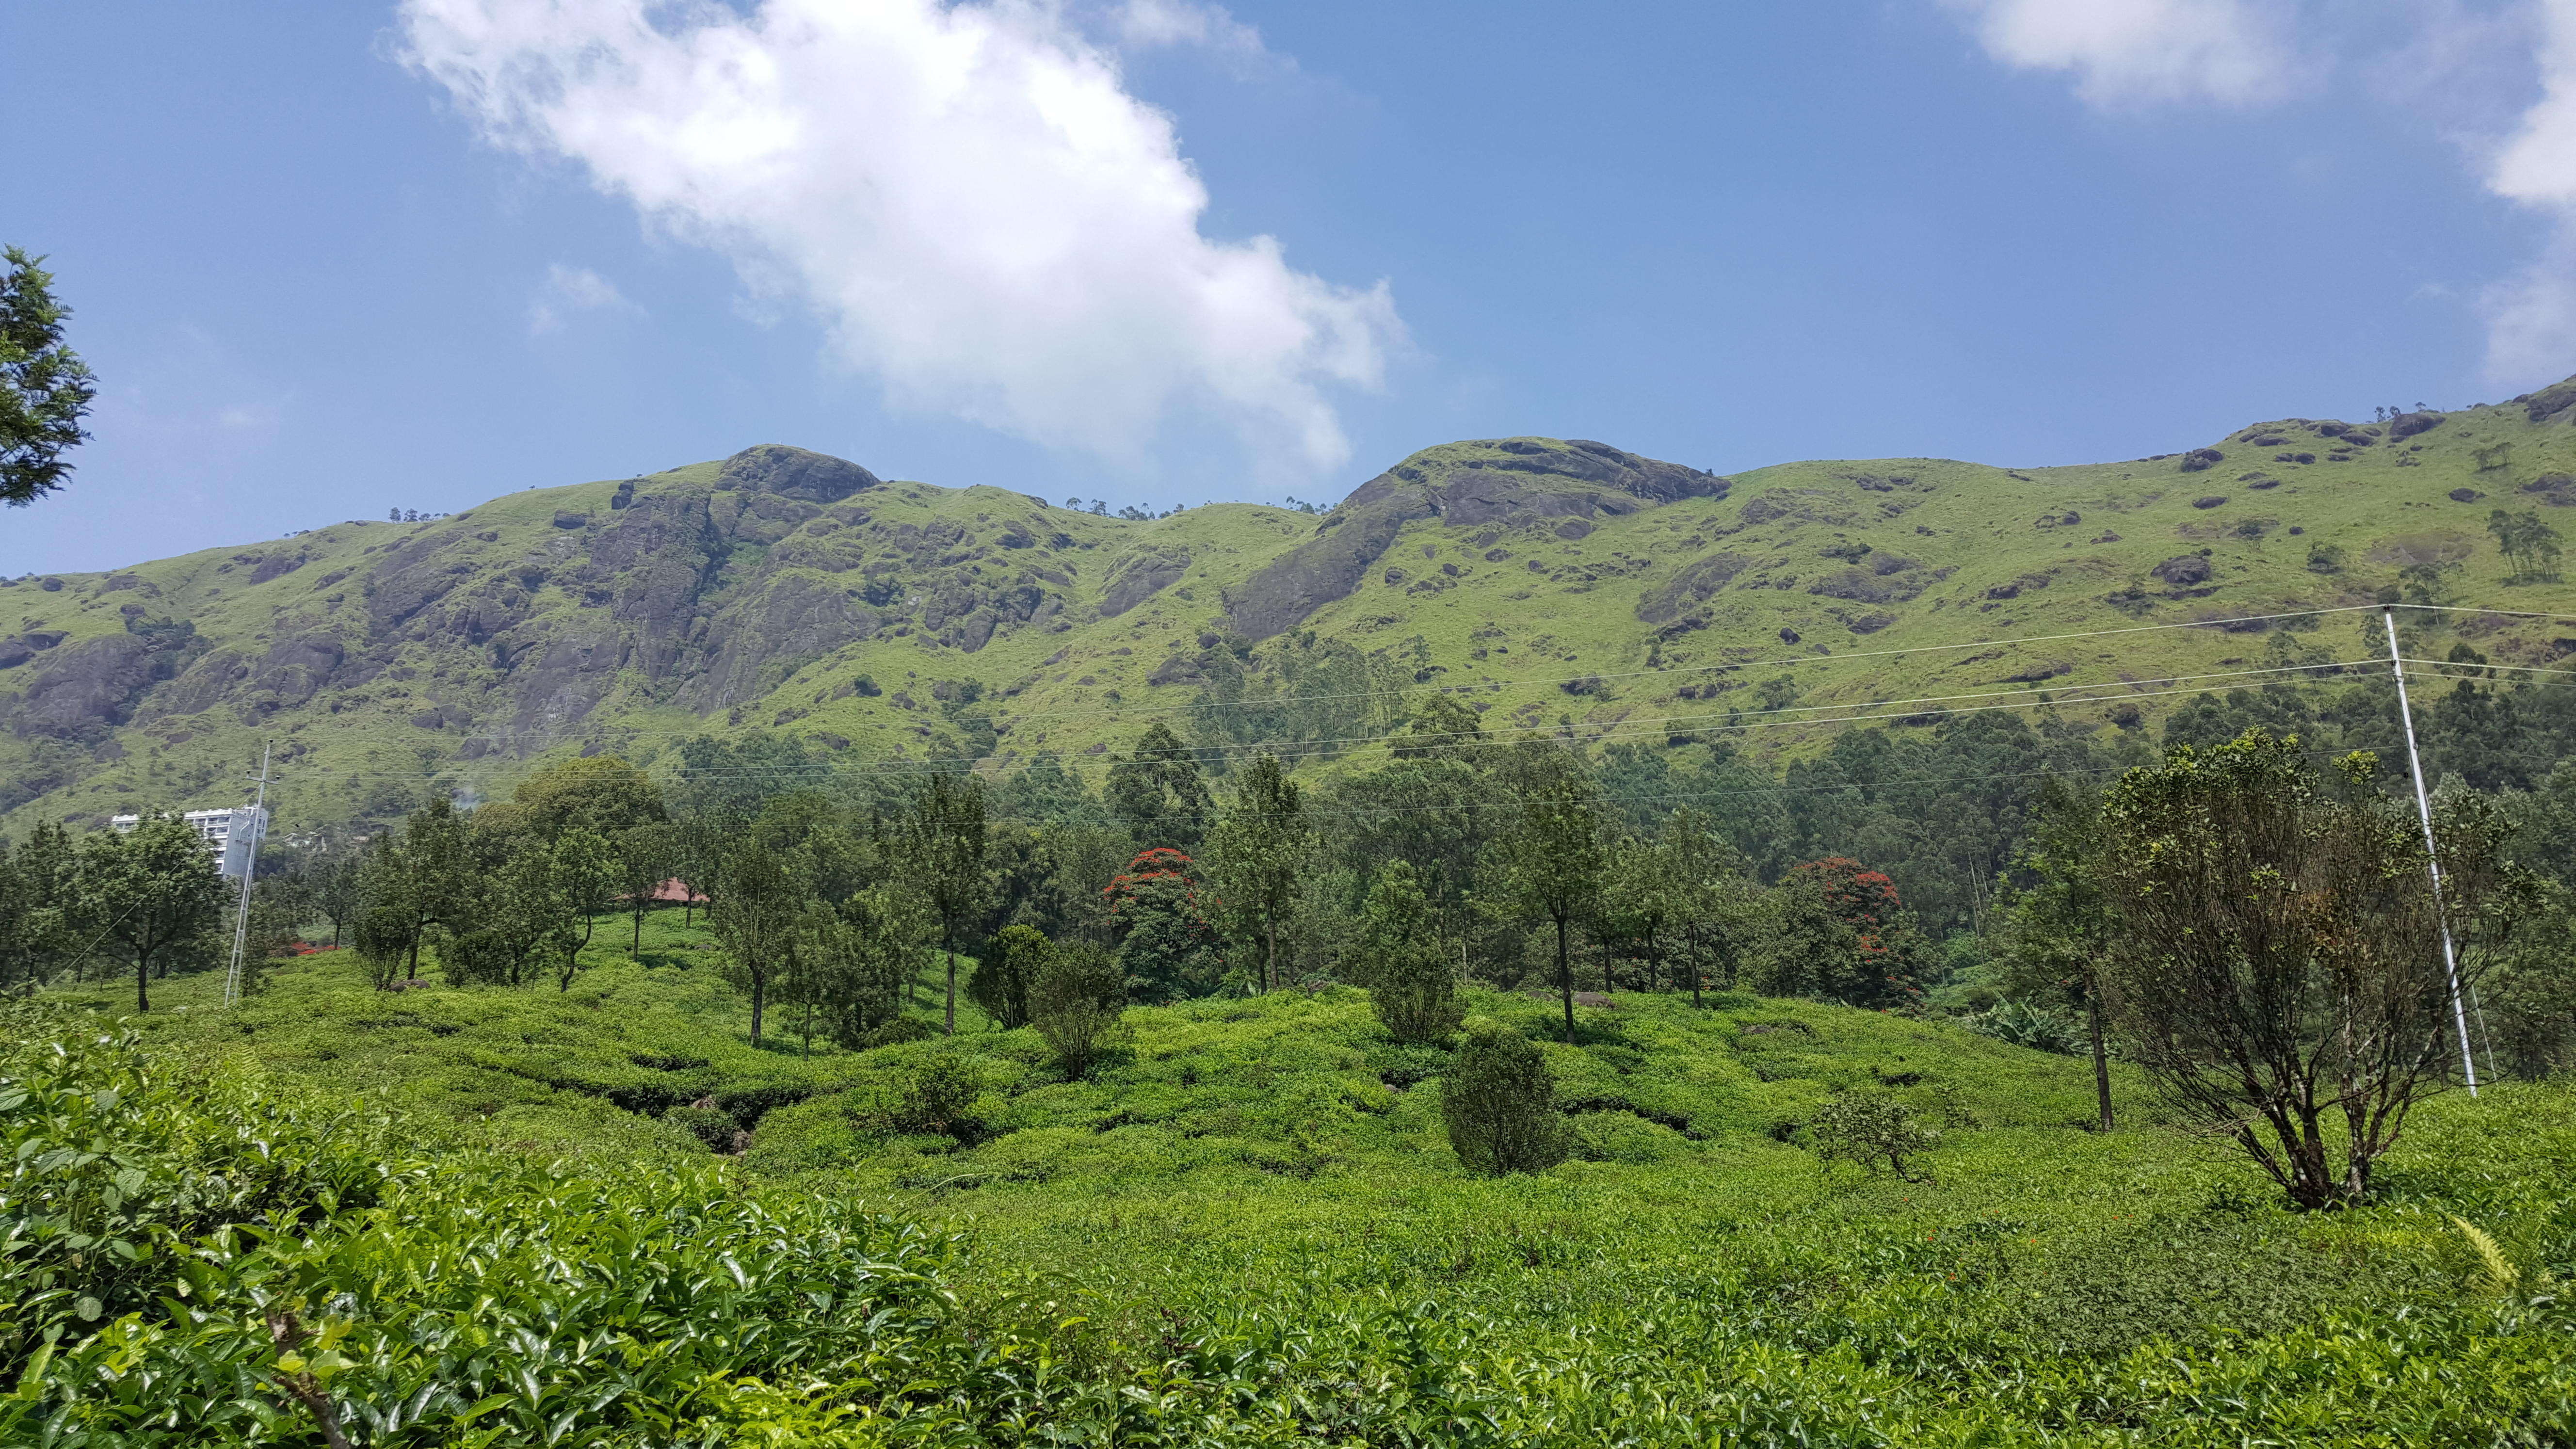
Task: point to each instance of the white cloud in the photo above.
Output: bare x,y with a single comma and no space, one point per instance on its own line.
2140,50
2531,318
967,194
1148,24
567,290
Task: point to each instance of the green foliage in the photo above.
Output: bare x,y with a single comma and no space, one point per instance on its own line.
1499,1101
1550,861
2529,542
940,1098
1013,963
758,909
1166,945
1261,850
1076,1004
1158,793
1410,979
2276,954
45,389
710,1125
154,892
1868,1130
944,860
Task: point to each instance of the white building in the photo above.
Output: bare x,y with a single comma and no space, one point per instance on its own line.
230,835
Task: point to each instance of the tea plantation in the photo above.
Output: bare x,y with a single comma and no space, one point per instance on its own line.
602,1216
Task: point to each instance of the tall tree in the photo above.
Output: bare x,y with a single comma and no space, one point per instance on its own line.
40,928
154,891
340,891
45,389
602,793
647,855
758,907
1260,849
586,877
2276,958
1551,859
2058,931
1158,792
1411,983
1161,921
875,957
944,859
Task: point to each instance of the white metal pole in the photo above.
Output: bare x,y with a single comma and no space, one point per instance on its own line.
250,873
2432,863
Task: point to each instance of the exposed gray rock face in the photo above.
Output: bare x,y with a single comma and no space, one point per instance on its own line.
795,473
1534,479
91,683
1694,585
2182,570
1142,573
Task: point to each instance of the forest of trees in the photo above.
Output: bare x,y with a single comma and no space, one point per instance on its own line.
1929,867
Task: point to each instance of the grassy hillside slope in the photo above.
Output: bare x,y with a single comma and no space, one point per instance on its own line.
1553,580
1253,1215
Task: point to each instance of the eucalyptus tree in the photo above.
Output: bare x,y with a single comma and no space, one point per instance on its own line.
943,859
759,906
1551,860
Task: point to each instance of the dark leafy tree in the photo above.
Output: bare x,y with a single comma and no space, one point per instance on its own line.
1010,966
602,793
1411,980
45,389
759,906
1260,849
944,860
1871,1129
40,917
1550,862
1499,1102
340,891
1159,794
2276,951
586,878
155,893
2528,542
647,856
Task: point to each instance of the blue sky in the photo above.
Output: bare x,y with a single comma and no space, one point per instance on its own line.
331,259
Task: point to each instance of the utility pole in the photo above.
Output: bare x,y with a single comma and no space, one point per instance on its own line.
2432,861
250,873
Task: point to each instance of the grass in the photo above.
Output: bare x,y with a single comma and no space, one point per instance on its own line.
1255,1200
1997,571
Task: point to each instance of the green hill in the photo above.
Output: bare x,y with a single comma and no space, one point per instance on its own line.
893,622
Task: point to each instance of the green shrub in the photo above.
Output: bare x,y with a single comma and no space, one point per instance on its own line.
1075,1004
1499,1103
715,1128
1867,1129
940,1098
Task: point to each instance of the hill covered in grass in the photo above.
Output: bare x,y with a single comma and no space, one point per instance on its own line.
1247,1226
1556,584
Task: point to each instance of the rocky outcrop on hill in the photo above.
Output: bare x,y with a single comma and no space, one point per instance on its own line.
1512,481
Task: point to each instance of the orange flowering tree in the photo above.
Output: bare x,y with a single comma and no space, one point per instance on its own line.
1870,960
1166,947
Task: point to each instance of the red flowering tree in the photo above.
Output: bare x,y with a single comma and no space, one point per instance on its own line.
1166,948
1846,921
